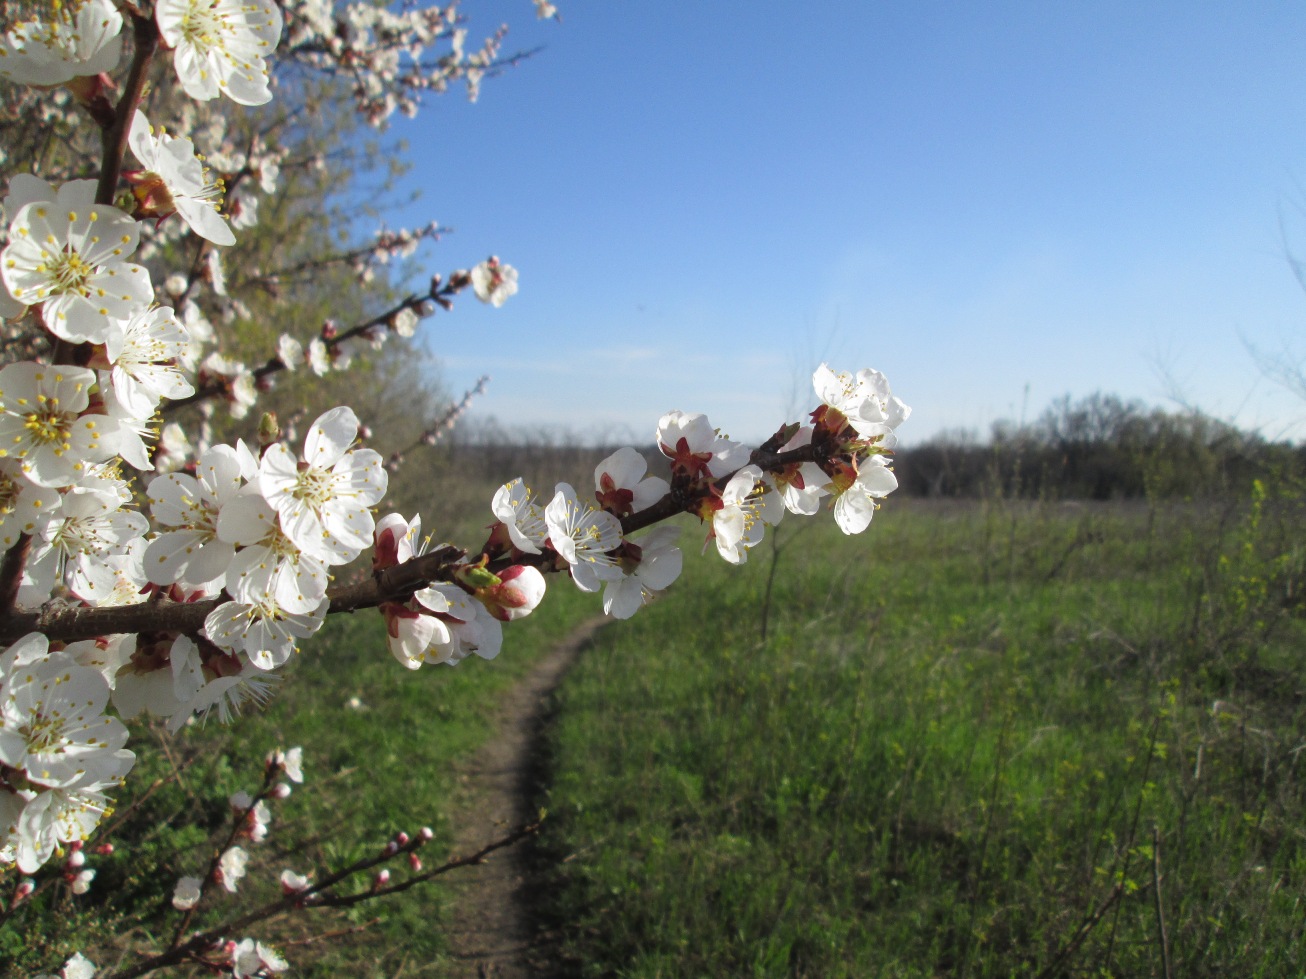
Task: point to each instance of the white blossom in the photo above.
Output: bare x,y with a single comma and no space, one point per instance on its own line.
582,535
253,959
514,504
231,867
220,46
864,399
145,350
52,721
75,38
268,566
694,446
189,506
621,486
68,254
659,565
176,181
747,503
187,893
290,351
42,425
262,630
76,544
324,503
494,282
855,504
22,503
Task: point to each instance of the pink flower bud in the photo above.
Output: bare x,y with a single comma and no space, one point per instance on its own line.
402,838
391,849
104,849
280,791
414,861
76,859
427,834
23,891
381,879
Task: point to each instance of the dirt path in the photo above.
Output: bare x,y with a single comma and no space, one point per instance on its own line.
492,934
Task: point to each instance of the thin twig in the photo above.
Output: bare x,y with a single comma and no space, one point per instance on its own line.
314,897
1089,924
1160,908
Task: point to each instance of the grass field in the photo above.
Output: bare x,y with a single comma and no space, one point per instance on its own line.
988,739
983,740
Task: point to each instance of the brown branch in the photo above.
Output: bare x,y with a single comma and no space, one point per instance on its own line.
11,573
349,900
439,294
394,584
114,137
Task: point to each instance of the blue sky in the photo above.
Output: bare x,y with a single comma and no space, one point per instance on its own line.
704,200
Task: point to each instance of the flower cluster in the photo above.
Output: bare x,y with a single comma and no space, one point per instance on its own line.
60,754
735,489
392,55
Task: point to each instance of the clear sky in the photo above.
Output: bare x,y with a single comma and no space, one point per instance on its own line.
705,199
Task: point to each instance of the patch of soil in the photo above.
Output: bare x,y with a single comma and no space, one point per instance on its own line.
493,934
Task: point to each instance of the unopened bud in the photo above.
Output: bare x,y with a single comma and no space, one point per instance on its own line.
475,577
391,849
76,859
426,833
426,308
364,433
280,791
402,838
104,849
414,861
330,330
23,891
380,880
269,430
437,280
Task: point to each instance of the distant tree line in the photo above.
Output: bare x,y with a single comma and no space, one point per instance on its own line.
1099,447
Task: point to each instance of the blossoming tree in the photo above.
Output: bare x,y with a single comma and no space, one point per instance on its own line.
151,570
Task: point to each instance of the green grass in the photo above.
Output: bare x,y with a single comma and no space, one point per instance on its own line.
950,755
390,764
